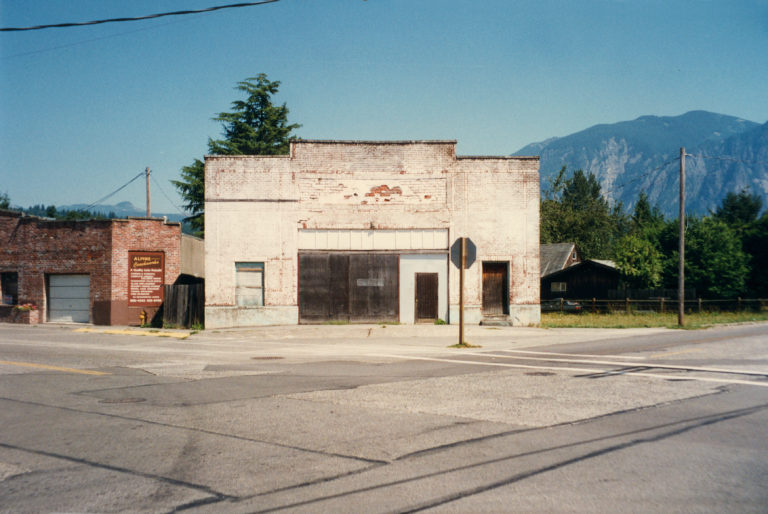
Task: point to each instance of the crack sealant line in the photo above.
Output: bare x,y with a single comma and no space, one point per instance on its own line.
585,370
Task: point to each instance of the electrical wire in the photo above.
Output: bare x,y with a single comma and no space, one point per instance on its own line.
733,159
115,191
137,18
157,183
641,177
84,41
645,175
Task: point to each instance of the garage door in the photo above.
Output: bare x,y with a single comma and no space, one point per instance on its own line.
360,287
69,298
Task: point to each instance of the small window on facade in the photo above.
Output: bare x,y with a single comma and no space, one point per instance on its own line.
9,288
249,284
559,287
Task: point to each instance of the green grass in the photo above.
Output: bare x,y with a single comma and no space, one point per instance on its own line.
646,320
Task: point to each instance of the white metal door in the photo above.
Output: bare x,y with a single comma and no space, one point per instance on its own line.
69,298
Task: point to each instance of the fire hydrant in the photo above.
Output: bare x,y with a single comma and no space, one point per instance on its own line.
143,318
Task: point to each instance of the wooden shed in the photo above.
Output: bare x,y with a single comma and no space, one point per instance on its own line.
586,279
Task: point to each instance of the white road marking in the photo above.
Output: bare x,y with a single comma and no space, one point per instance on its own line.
557,368
624,363
574,354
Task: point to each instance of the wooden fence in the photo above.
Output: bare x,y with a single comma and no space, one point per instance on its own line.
661,305
184,305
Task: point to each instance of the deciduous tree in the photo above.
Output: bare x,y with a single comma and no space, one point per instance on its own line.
639,260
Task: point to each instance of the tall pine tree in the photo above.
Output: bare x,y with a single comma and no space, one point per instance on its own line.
254,127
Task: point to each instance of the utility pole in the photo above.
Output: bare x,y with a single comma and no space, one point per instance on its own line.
463,261
681,264
149,212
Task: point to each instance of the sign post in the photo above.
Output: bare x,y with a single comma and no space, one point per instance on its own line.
463,253
463,264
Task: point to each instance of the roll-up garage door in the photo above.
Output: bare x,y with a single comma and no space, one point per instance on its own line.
356,287
69,298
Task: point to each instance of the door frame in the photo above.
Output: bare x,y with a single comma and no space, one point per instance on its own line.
504,266
416,318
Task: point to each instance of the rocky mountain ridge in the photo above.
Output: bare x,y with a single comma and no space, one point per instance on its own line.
725,153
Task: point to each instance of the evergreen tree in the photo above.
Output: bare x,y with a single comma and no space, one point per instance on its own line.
755,241
646,220
739,210
254,127
574,210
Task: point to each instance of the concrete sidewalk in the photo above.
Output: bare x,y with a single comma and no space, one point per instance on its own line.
421,336
323,341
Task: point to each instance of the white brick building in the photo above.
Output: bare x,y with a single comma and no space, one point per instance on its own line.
361,231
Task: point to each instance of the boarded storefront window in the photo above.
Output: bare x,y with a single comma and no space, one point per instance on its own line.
249,284
354,287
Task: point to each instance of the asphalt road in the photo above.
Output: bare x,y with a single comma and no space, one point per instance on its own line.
384,419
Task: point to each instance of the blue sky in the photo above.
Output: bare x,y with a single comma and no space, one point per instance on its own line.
83,110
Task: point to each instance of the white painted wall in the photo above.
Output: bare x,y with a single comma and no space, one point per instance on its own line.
410,264
396,196
348,239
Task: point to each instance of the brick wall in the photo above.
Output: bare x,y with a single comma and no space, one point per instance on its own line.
140,235
34,247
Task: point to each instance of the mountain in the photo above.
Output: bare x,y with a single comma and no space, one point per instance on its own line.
121,210
643,155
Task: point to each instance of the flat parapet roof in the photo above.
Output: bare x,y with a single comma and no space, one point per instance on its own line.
498,157
377,142
398,142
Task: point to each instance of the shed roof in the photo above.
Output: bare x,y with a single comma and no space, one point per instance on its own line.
554,256
603,265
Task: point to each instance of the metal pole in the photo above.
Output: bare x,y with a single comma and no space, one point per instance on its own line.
461,288
148,209
681,264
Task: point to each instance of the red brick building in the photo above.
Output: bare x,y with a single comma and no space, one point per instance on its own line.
104,272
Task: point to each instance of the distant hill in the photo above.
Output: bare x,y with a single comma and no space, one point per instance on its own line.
630,156
122,210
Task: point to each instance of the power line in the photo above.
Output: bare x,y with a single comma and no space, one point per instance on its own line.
137,18
83,41
141,174
641,177
180,211
733,159
723,158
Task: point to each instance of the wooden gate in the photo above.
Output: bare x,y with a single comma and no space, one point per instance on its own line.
495,289
354,287
184,305
426,296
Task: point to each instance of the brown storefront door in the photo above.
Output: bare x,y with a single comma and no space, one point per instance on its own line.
426,297
495,301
